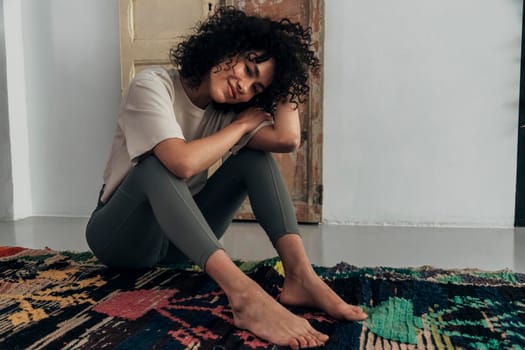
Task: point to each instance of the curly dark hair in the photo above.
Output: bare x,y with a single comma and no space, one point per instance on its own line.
230,32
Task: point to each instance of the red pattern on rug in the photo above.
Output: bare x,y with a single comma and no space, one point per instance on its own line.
135,304
8,251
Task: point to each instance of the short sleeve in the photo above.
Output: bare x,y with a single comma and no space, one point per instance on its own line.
246,138
147,116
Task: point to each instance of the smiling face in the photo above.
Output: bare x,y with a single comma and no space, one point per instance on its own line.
242,80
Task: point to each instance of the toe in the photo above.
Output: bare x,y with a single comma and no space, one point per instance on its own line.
321,337
355,313
360,310
312,341
357,309
303,342
318,343
294,344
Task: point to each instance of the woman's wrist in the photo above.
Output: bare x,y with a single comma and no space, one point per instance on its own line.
242,125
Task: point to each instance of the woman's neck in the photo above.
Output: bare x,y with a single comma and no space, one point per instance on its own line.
200,95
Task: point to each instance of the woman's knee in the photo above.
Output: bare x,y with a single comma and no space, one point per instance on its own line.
151,170
151,164
255,158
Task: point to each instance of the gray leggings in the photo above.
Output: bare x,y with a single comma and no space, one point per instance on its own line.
152,217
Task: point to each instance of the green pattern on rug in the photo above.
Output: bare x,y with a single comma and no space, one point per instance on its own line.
394,319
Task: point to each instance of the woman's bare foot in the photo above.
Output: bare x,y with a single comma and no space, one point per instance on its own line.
256,311
302,286
307,289
259,313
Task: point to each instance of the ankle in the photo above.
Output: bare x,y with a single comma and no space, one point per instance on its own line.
301,273
242,297
221,268
240,291
238,301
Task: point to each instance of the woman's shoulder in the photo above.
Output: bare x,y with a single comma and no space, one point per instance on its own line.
153,72
157,73
155,77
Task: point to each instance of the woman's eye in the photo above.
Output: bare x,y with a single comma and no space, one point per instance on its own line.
248,72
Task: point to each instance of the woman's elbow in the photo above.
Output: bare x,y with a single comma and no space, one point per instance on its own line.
183,170
290,143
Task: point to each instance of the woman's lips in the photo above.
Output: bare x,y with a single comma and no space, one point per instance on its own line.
230,91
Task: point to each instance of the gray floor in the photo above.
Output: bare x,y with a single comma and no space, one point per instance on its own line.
487,249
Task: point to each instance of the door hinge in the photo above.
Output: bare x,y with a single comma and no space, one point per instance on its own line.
304,136
318,194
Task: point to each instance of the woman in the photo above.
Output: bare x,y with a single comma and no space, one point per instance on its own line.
157,204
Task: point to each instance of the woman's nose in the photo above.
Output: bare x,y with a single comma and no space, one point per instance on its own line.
241,86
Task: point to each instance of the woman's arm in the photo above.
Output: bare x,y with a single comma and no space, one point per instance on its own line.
284,135
186,159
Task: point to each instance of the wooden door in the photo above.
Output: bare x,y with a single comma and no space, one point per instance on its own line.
149,28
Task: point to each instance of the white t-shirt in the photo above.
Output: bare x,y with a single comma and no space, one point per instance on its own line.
155,107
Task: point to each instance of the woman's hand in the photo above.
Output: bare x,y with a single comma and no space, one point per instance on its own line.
251,117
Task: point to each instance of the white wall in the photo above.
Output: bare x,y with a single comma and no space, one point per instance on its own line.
73,91
18,126
422,96
6,177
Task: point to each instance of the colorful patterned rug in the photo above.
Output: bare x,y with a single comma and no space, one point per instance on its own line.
64,300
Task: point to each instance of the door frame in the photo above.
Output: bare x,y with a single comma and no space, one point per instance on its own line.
519,212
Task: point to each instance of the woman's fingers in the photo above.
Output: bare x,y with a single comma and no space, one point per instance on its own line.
253,117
